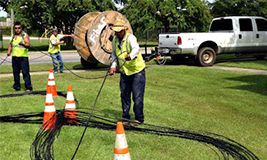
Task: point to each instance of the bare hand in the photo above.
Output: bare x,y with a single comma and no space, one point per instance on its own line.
8,54
112,71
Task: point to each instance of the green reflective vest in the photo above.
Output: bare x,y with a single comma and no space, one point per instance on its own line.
127,67
17,49
53,48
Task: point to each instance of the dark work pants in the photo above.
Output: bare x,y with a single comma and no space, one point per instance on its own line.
21,64
133,85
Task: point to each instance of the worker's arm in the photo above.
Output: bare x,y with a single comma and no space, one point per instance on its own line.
58,43
113,67
9,49
55,42
69,35
25,42
135,48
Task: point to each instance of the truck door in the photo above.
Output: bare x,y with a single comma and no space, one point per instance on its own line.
261,35
246,38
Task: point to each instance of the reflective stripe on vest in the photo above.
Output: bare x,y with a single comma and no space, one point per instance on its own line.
19,50
52,48
127,67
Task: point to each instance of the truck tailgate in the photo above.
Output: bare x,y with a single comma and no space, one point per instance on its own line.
168,40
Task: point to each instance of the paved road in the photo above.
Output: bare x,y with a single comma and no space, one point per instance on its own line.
42,57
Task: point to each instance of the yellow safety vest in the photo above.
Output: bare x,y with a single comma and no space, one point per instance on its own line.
53,49
17,49
127,67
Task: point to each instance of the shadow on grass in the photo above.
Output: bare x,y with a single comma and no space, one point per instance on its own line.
255,83
96,68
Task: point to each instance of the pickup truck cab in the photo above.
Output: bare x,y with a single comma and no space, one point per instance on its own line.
235,34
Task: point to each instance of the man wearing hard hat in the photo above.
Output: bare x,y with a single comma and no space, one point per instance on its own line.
127,59
55,41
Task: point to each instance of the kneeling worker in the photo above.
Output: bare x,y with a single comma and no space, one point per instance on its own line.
127,59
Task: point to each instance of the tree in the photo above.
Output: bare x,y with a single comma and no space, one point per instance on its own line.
181,14
3,4
37,15
222,8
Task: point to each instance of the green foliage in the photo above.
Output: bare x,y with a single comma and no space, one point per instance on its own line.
144,15
141,19
197,17
2,19
3,4
43,14
239,8
184,15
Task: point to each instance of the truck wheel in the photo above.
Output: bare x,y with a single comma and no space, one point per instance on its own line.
206,56
87,65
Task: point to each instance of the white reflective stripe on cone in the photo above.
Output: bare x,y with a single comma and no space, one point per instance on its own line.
49,98
51,76
51,83
50,109
70,96
121,142
122,156
70,106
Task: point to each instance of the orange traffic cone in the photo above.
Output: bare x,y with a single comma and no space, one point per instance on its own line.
51,83
50,111
121,151
70,107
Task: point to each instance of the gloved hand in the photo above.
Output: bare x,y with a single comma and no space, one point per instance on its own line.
128,58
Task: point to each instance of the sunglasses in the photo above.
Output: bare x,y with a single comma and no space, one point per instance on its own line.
17,27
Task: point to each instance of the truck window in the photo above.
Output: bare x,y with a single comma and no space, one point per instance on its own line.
261,24
245,24
222,25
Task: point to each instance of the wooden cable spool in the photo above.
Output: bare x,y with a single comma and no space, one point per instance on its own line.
94,32
80,32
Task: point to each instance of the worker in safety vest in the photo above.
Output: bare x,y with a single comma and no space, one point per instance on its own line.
127,59
18,47
55,41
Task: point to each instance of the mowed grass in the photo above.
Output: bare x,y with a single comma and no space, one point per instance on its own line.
184,97
245,61
4,69
36,44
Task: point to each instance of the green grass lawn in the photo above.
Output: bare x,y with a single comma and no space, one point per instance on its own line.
184,97
245,61
41,67
36,45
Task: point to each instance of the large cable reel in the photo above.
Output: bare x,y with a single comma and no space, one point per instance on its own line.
94,35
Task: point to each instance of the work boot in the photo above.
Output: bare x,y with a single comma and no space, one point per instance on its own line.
125,122
16,88
136,123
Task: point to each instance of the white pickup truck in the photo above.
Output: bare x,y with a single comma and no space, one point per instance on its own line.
235,34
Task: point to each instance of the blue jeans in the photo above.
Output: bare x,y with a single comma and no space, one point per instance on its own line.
21,64
56,58
133,85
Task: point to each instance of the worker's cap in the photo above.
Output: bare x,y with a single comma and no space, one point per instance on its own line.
55,30
119,25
